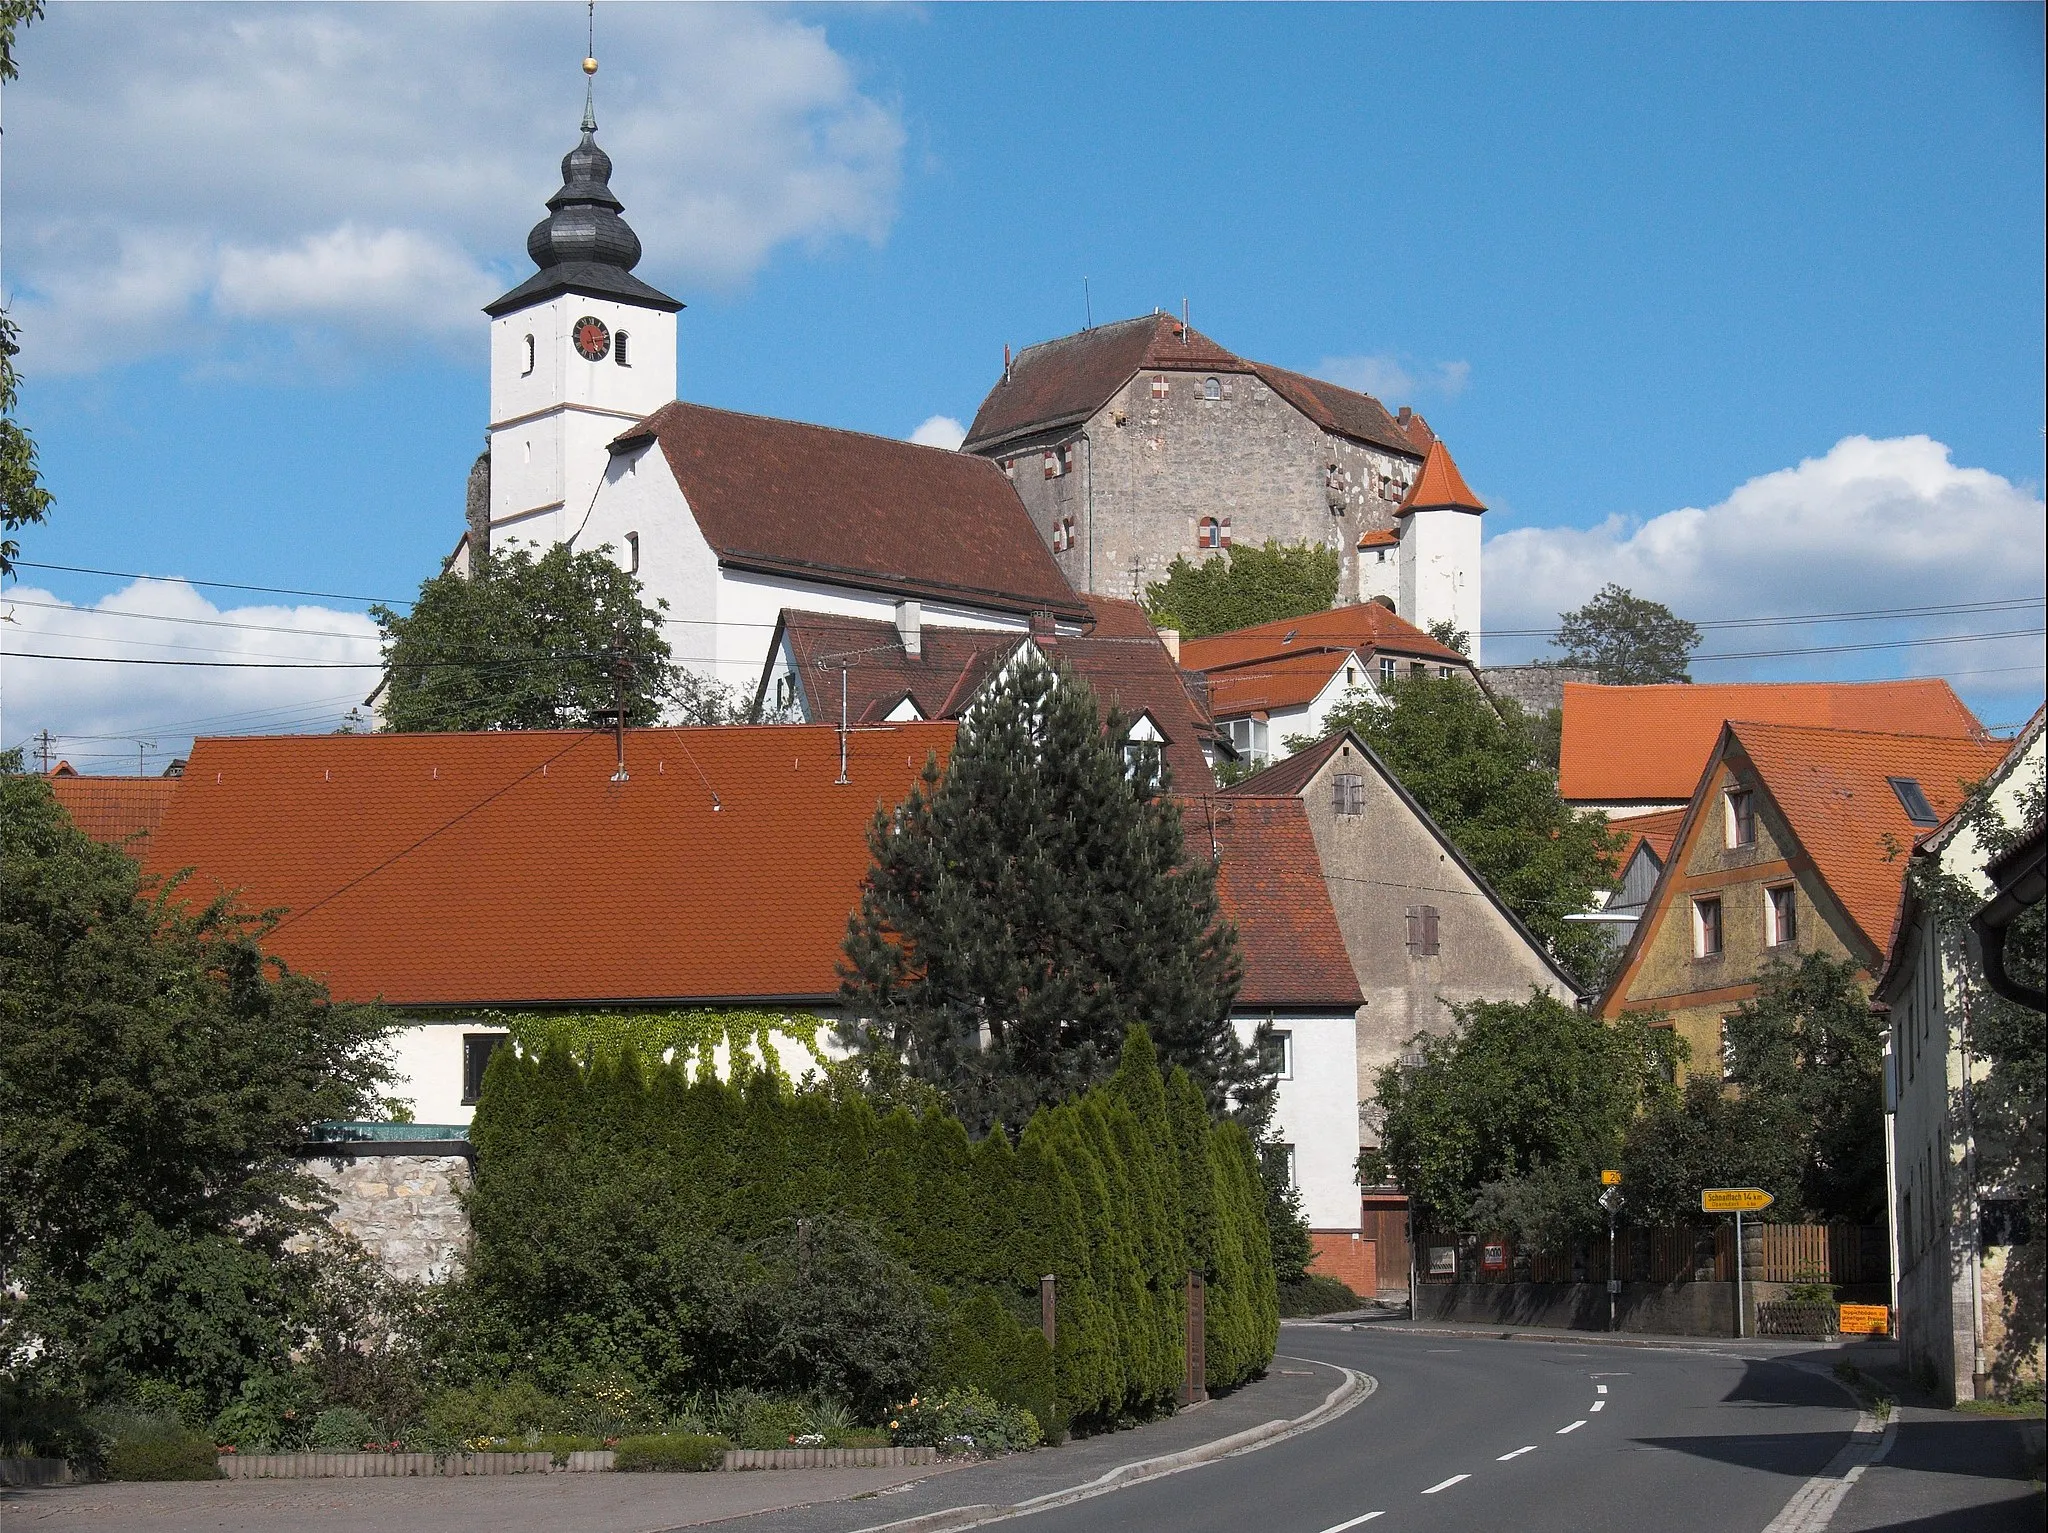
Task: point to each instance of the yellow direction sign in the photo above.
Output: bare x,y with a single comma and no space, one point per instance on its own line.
1734,1200
1610,1179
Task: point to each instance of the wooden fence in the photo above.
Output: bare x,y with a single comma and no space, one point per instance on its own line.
1703,1253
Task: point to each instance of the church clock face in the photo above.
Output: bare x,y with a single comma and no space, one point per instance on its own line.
592,339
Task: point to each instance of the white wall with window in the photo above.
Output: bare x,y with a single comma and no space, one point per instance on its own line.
1314,1062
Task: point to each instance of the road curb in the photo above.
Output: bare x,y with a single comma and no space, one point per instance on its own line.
1814,1504
1706,1345
1352,1389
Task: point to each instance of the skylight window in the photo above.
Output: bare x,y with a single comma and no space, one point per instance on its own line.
1914,801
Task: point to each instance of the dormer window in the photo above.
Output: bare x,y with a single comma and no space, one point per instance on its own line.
1142,750
619,349
1913,799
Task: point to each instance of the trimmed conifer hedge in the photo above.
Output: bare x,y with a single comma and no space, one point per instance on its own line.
610,1194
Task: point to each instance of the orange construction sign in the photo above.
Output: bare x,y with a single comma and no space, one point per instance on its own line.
1864,1320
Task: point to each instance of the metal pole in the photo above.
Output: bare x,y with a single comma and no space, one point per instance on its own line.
1738,1274
1611,1281
842,721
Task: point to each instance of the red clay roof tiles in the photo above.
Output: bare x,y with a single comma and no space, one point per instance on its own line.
113,809
1270,883
1439,487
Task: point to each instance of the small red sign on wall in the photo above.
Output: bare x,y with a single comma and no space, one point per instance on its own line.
1493,1256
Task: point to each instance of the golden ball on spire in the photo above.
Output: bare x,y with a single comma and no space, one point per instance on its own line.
590,66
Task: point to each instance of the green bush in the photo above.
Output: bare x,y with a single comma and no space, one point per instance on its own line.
964,1421
691,1451
485,1415
343,1429
833,1313
272,1413
982,1345
159,1448
559,1444
1316,1295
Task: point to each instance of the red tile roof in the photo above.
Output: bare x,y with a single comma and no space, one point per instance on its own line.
1361,625
1625,744
112,809
1656,830
843,508
1831,785
1120,655
1379,538
1439,487
1062,382
1281,681
465,869
1270,883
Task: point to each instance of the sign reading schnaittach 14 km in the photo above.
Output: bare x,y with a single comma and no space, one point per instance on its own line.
1734,1200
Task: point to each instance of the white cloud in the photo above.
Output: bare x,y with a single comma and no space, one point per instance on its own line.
1390,380
1872,524
182,175
940,431
97,710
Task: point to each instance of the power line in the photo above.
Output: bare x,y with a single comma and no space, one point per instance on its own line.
196,622
1857,615
1845,649
214,585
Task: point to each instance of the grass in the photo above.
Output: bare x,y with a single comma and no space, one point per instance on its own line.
2015,1409
1873,1396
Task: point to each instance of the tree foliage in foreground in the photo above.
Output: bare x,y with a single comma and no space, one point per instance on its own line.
1509,1119
1628,640
23,500
1246,586
1480,775
1029,904
528,643
156,1073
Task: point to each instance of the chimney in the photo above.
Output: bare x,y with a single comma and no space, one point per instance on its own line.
1406,415
1170,637
1042,630
1006,361
910,627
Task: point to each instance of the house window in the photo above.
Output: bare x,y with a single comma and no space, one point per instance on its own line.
1741,817
1443,673
1782,915
1212,388
1279,1161
1159,385
1350,675
1208,533
1914,801
1388,669
1276,1055
529,358
1247,737
1052,465
1422,931
1347,793
785,693
1706,928
477,1049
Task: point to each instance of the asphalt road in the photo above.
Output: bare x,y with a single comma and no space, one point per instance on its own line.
1473,1434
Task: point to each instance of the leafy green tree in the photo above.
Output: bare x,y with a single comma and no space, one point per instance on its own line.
1248,585
1480,775
1029,904
1518,1090
1707,1136
23,500
1451,636
1628,640
1808,1052
528,643
156,1073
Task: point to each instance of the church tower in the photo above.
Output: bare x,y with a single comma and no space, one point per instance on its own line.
580,351
1440,548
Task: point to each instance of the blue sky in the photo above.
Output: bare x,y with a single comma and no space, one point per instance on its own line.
1627,260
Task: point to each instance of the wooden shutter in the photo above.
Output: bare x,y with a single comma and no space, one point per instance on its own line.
1429,929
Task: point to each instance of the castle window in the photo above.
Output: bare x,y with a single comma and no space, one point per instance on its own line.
477,1049
1223,533
1159,385
1059,537
632,553
619,349
1212,388
1208,533
529,357
1053,467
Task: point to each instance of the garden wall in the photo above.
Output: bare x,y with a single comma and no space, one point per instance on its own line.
406,1210
1671,1309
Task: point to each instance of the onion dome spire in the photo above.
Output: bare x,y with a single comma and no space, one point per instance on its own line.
583,245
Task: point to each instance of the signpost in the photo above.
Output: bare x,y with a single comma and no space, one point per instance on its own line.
1611,1201
1737,1201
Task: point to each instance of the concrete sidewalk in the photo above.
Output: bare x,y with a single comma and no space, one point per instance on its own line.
1870,1353
1950,1470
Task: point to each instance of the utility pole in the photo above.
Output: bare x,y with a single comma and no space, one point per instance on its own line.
43,751
142,748
1610,1199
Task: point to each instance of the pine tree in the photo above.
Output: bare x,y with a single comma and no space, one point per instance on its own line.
1029,904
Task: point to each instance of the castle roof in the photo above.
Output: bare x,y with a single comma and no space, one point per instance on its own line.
1439,487
1063,382
843,508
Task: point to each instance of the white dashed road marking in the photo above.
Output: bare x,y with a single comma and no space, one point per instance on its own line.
1572,1428
1446,1484
1516,1454
1599,1389
1354,1522
1599,1405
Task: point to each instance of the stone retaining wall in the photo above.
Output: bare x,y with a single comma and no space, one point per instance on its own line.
28,1472
405,1209
358,1466
1670,1309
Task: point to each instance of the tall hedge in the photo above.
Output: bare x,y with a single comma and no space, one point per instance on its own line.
614,1197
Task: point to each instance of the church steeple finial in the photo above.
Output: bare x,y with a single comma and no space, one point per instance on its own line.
590,68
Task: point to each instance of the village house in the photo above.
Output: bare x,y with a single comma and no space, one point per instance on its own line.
1279,681
727,518
826,669
1143,441
465,879
1628,751
1955,1195
1792,844
1422,930
121,811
